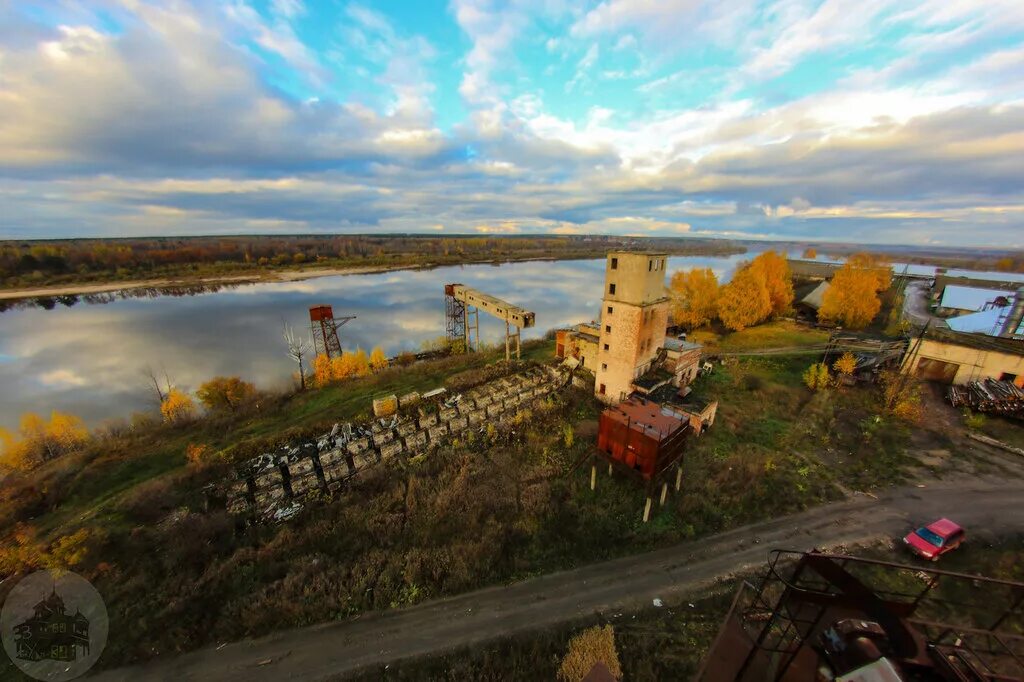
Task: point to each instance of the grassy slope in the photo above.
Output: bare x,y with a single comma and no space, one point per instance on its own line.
485,510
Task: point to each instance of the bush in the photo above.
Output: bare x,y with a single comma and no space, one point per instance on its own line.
593,645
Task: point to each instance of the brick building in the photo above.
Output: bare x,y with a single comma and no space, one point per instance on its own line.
634,315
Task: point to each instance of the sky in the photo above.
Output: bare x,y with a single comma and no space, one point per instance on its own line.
881,121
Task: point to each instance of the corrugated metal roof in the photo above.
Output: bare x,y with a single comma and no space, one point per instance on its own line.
971,298
984,322
814,299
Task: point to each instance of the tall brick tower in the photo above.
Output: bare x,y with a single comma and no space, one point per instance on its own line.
634,315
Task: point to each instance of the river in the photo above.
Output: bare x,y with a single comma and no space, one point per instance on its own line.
88,359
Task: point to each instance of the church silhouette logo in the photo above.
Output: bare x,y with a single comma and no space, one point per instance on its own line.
52,633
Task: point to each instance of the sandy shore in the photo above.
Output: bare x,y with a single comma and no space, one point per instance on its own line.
281,276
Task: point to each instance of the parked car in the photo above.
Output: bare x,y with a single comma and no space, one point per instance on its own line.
935,539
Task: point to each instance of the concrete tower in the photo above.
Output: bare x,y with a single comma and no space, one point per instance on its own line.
634,315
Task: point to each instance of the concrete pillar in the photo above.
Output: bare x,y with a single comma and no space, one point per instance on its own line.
647,510
593,476
679,478
664,493
609,468
507,334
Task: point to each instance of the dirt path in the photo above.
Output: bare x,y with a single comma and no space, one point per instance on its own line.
986,506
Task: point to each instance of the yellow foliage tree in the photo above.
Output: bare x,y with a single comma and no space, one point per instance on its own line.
810,252
846,364
744,301
901,396
880,268
225,394
773,269
694,295
342,368
177,407
816,377
323,370
361,363
852,297
39,440
378,360
593,645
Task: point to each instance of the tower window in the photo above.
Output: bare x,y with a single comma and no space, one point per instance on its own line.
611,289
606,346
610,309
601,389
615,263
608,328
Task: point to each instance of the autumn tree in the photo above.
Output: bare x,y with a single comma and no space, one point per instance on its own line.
846,364
323,371
810,252
744,301
694,296
816,377
852,296
880,268
361,363
225,394
773,269
177,407
378,360
39,440
593,645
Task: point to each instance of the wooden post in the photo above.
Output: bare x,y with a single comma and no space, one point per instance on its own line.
679,478
593,476
647,510
664,492
609,468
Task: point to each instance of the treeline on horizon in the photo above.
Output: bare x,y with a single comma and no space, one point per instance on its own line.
35,263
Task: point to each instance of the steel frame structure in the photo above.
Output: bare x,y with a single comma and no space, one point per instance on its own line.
323,327
462,318
935,632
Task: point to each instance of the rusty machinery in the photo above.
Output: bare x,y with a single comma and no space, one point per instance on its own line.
815,616
323,325
462,317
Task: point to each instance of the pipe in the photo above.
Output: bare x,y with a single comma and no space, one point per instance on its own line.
1015,317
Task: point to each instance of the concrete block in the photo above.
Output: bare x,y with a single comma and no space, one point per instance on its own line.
416,441
358,445
477,417
392,449
409,399
303,466
458,424
302,485
406,428
385,406
383,438
337,471
427,421
484,400
238,505
494,410
448,413
269,479
438,433
239,489
466,405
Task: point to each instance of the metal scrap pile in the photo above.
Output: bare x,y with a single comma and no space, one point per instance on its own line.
1001,397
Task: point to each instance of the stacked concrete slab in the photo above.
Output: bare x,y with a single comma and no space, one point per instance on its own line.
279,480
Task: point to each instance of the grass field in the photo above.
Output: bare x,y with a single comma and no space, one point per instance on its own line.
486,509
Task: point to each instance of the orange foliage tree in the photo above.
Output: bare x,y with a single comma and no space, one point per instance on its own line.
810,252
773,269
744,301
323,371
39,440
852,297
177,407
225,394
694,295
378,360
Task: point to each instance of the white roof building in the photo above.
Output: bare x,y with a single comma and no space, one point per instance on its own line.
972,299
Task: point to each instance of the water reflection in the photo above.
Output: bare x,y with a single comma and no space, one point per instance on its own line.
87,359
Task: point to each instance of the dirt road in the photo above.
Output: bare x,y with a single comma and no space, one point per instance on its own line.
985,505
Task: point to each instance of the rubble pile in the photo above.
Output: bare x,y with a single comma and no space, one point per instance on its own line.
1001,397
272,485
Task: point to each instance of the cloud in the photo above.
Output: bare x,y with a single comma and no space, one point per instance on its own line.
62,378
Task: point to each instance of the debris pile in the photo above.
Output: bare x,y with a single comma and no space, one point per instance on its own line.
271,486
1001,397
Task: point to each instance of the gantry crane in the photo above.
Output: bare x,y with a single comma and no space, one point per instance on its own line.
462,317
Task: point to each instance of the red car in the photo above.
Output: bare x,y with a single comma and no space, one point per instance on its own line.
935,539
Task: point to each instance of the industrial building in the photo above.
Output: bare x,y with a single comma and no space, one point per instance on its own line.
960,300
983,345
